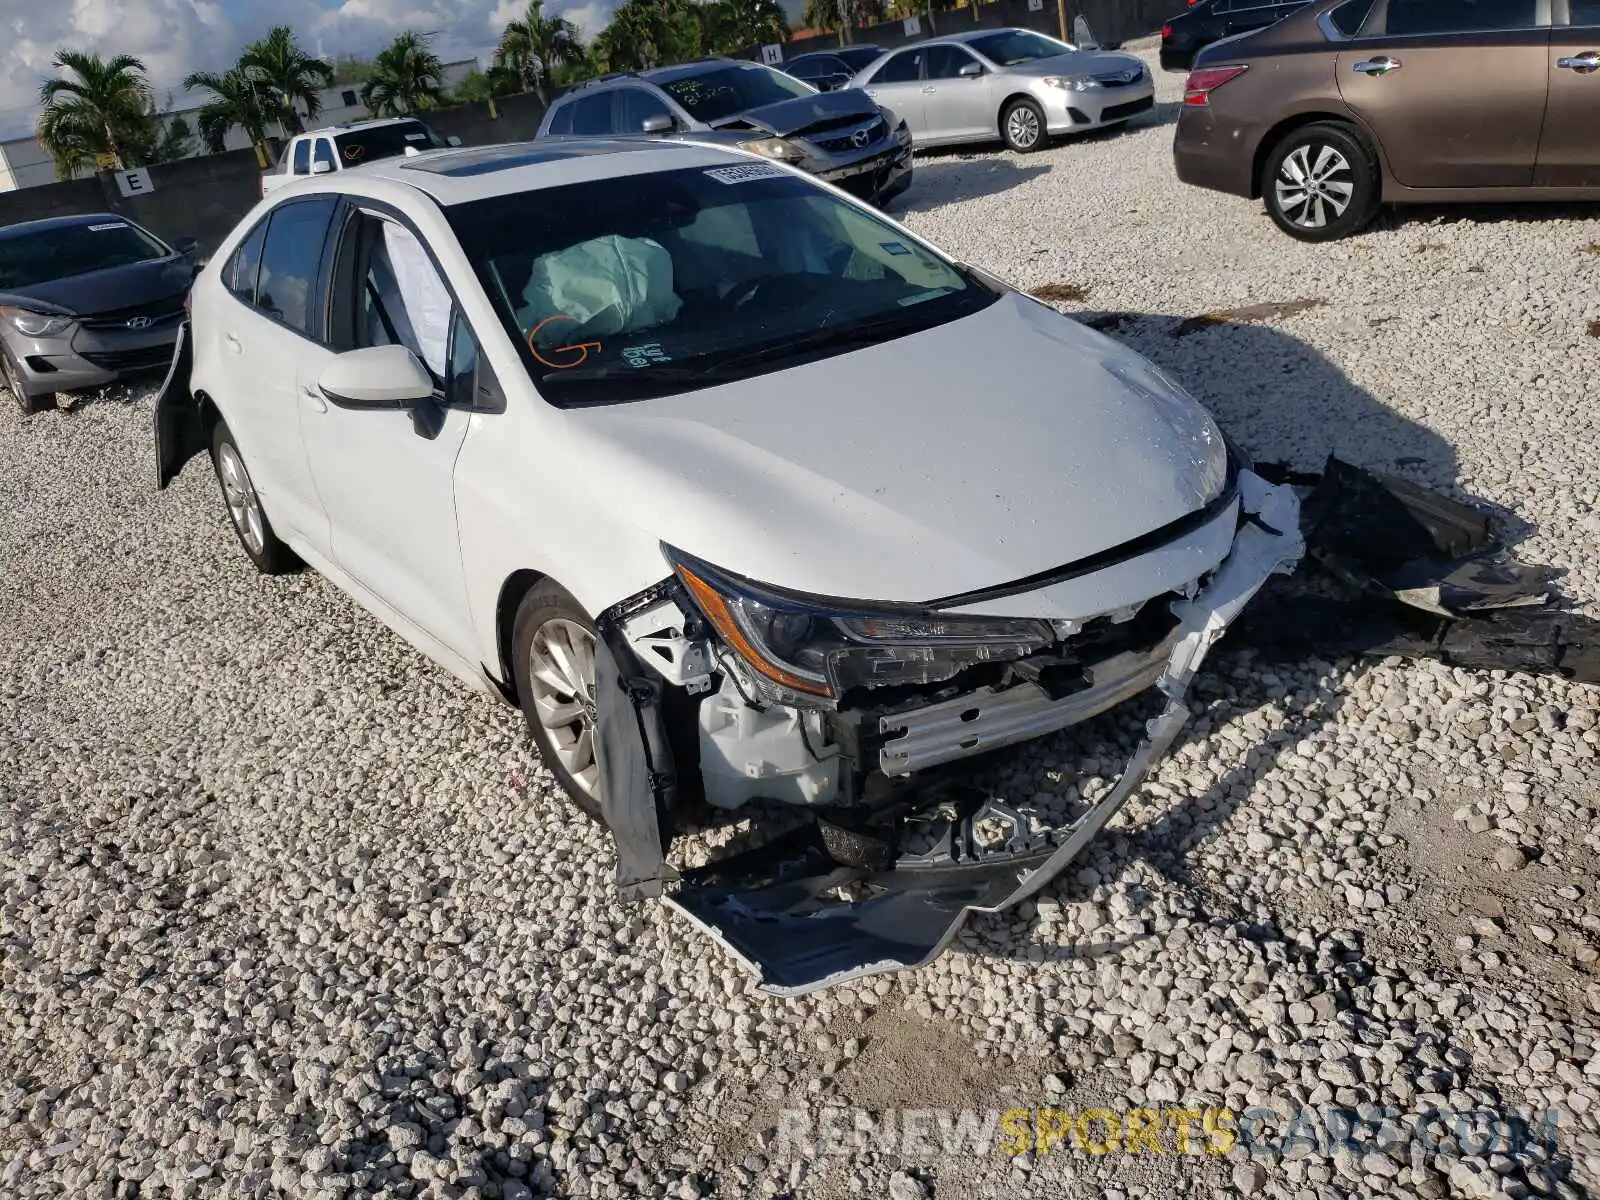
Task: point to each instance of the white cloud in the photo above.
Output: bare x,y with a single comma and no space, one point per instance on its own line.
175,37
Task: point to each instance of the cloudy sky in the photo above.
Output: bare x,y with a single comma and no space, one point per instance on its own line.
174,37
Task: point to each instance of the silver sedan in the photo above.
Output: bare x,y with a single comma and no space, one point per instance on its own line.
1013,84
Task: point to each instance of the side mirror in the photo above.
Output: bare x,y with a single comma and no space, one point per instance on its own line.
186,246
321,167
376,377
971,70
452,140
657,124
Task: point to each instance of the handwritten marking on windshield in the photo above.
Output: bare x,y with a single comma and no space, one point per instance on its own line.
582,348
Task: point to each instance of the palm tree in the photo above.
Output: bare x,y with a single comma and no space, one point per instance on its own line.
734,25
240,99
405,77
96,115
842,16
289,75
532,47
650,33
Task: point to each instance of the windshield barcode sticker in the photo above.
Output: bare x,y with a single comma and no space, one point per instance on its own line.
108,225
744,174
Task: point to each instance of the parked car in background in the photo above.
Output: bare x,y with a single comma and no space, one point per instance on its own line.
1207,21
85,300
1349,104
843,137
1013,84
614,429
830,70
340,147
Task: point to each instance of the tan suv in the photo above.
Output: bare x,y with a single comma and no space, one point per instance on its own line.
1351,103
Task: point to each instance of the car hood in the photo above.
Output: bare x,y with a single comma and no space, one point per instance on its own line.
108,290
792,116
1078,63
992,448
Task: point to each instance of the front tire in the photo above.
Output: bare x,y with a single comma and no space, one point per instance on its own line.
249,520
553,648
12,377
1022,126
1320,183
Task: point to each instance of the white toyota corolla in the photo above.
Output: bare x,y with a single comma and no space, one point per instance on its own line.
740,490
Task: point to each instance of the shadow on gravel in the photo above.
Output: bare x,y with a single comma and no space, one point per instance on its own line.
949,178
1401,215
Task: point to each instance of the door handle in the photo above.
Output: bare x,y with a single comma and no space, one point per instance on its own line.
928,91
1583,63
317,401
1381,65
233,343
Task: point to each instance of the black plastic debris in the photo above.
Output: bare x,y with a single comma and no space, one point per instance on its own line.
1392,568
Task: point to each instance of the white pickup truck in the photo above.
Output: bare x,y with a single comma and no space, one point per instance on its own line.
340,147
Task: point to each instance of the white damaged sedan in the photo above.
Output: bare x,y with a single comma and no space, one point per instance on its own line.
741,491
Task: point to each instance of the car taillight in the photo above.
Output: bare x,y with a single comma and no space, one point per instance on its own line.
1198,87
1166,33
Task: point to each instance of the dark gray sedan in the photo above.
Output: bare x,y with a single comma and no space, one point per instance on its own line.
85,300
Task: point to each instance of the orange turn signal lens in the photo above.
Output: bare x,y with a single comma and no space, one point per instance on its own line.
716,611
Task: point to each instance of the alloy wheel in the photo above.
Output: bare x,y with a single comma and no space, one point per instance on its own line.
244,507
561,675
1314,185
1022,127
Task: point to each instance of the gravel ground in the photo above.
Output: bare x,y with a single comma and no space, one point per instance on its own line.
287,913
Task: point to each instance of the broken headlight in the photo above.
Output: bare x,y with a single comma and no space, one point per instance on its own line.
799,647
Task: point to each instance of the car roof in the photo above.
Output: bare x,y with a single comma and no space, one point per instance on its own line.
44,224
456,176
352,126
698,67
972,35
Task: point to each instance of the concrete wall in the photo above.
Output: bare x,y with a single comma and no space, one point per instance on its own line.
1111,22
202,198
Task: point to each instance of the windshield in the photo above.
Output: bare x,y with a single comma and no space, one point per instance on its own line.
1012,46
728,91
30,258
385,141
646,285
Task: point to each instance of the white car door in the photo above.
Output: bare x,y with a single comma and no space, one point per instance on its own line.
897,85
386,478
263,338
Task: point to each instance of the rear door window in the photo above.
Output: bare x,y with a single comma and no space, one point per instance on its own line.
240,274
286,284
1407,18
904,67
1584,12
591,116
1349,17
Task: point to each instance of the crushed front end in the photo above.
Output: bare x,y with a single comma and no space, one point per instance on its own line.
858,717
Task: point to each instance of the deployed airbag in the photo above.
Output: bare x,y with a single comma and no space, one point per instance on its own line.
604,286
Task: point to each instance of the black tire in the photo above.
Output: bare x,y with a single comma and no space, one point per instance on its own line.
271,556
1354,165
1028,116
545,603
12,379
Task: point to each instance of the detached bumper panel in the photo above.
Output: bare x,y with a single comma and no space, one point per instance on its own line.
776,909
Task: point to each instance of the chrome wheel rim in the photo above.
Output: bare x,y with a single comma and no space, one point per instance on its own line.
561,676
244,507
1314,186
1022,126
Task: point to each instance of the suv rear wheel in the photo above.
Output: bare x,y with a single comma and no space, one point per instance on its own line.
1320,183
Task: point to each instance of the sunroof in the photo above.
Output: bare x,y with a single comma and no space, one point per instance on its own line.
486,160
